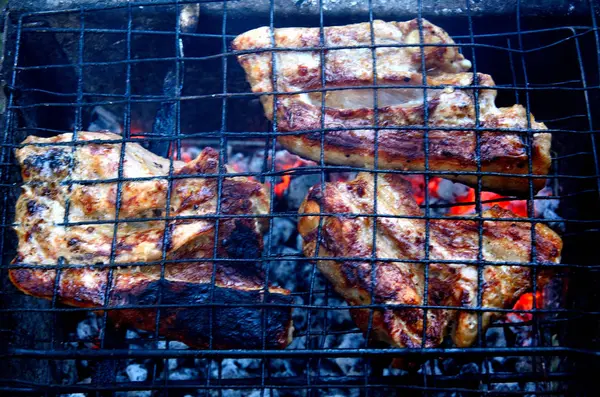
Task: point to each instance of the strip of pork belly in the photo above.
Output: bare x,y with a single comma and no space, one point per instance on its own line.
401,283
44,240
349,109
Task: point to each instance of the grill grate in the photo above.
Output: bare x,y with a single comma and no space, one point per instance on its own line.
575,180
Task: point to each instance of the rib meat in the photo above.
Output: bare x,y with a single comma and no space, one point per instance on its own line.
349,107
81,179
347,234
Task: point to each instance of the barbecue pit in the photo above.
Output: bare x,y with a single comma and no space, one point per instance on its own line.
163,74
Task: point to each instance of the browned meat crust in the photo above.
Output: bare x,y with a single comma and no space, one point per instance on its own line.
349,110
44,240
404,238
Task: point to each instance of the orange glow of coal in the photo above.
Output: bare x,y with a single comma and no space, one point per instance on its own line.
136,131
417,185
518,207
238,169
282,186
525,302
433,186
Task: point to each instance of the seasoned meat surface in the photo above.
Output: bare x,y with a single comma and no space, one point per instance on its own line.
348,111
347,234
82,180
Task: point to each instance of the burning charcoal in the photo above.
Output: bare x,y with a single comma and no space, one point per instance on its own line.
495,337
224,393
547,208
183,374
229,369
135,393
282,368
172,364
299,185
237,368
523,365
531,386
88,330
470,368
257,161
339,318
445,190
285,160
284,272
431,367
176,345
283,228
449,366
266,393
390,371
506,387
248,363
343,392
350,366
104,120
66,371
136,372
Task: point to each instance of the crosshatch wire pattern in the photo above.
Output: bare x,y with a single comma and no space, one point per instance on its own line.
583,181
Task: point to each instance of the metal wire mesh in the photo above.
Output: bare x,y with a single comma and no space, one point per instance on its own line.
575,178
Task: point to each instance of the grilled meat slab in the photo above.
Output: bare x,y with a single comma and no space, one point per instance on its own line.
349,110
48,171
398,283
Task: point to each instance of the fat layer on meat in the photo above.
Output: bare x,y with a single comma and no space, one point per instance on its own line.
349,103
400,234
83,181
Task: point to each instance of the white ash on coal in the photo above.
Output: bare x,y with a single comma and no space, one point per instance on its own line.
281,232
103,119
291,186
88,330
183,374
299,185
135,393
451,198
136,372
349,365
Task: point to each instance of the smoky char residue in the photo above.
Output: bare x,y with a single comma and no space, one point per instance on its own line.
233,327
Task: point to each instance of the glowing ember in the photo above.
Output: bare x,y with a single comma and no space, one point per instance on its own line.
518,207
284,160
455,193
282,186
525,302
418,187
